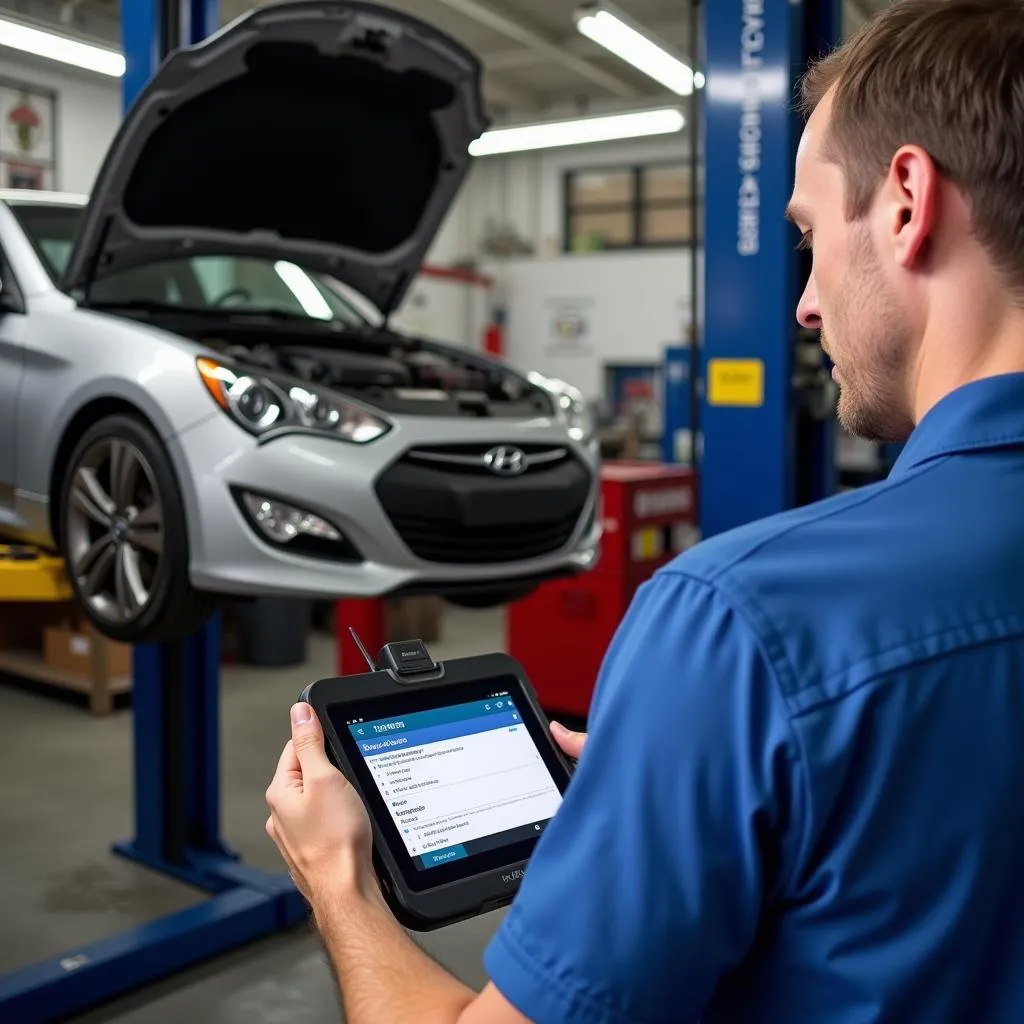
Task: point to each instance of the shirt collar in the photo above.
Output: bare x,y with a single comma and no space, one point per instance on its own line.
987,413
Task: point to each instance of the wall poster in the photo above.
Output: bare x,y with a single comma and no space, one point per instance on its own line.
28,119
569,326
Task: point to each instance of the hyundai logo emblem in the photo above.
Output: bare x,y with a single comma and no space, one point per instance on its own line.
505,460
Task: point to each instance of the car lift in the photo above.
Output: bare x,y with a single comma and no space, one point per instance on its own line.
763,398
176,710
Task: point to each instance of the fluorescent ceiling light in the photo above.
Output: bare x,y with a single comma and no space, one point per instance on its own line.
27,39
617,33
551,134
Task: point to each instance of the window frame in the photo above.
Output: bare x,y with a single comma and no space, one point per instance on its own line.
636,207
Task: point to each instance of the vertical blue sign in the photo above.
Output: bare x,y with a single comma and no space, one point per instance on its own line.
750,133
677,442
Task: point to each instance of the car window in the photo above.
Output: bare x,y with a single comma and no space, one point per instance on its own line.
57,251
174,283
215,275
199,282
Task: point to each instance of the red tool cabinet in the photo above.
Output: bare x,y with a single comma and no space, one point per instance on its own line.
561,631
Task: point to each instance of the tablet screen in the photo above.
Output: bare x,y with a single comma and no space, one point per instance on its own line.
462,782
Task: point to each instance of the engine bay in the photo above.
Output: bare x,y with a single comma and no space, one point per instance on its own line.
393,373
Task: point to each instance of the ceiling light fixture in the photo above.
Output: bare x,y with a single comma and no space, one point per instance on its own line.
611,28
553,134
64,49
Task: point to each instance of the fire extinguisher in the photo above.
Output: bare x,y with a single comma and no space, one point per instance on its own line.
494,332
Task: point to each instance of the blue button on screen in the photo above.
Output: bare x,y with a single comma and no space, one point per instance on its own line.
436,857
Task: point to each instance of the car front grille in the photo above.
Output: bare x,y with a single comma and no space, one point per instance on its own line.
449,507
432,540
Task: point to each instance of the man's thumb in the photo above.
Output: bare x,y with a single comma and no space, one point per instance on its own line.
308,739
571,742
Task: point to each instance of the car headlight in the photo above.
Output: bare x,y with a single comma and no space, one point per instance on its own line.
573,409
261,404
578,417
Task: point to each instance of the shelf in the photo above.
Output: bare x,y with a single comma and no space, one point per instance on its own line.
29,665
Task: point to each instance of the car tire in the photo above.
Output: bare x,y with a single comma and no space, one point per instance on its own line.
122,533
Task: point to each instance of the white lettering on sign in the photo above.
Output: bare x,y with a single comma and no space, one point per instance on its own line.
662,502
748,236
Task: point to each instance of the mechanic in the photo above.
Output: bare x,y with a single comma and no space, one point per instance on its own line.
802,795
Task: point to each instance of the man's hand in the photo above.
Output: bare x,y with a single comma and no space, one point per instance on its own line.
322,829
570,742
316,818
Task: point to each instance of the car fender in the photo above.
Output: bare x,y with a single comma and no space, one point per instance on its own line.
82,365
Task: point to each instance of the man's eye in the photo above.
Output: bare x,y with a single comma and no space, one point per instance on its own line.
804,244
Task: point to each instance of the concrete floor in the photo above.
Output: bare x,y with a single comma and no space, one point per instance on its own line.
65,795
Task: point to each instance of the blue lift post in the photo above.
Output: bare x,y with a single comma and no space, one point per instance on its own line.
176,711
764,448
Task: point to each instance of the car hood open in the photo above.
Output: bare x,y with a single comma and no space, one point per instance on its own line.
334,135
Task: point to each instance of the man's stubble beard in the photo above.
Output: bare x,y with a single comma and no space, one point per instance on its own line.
875,346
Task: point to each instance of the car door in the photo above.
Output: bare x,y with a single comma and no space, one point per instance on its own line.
12,360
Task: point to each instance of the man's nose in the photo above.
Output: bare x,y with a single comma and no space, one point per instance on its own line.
807,312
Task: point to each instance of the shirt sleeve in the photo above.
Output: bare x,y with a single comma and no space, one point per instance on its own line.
647,886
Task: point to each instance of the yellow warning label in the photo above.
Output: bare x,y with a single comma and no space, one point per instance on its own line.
648,543
736,382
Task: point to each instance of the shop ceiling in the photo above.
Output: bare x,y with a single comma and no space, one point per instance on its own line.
535,60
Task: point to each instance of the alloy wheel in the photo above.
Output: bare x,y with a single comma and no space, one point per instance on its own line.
115,530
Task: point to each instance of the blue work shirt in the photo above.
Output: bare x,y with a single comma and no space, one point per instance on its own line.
802,799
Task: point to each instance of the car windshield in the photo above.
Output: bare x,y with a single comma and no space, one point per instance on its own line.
228,283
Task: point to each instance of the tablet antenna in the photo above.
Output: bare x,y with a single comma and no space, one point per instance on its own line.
362,650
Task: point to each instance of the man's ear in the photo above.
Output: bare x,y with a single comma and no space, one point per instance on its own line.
910,196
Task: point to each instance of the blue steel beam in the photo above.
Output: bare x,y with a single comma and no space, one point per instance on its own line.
146,30
142,40
754,50
176,720
80,978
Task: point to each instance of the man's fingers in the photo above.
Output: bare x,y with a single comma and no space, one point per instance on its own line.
308,742
288,775
570,742
288,763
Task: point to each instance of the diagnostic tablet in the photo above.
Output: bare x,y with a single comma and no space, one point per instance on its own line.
457,769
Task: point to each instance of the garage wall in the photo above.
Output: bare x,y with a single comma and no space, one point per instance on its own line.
631,304
524,191
88,115
571,315
447,307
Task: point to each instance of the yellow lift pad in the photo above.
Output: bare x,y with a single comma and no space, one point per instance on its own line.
27,574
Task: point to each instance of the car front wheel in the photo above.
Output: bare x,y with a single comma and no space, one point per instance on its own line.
122,534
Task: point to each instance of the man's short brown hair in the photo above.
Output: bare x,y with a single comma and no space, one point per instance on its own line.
946,75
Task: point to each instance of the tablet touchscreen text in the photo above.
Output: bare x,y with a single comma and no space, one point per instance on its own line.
458,780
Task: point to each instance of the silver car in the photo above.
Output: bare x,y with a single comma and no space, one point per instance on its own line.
195,399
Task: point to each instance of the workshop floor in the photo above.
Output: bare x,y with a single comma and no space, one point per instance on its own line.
65,792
